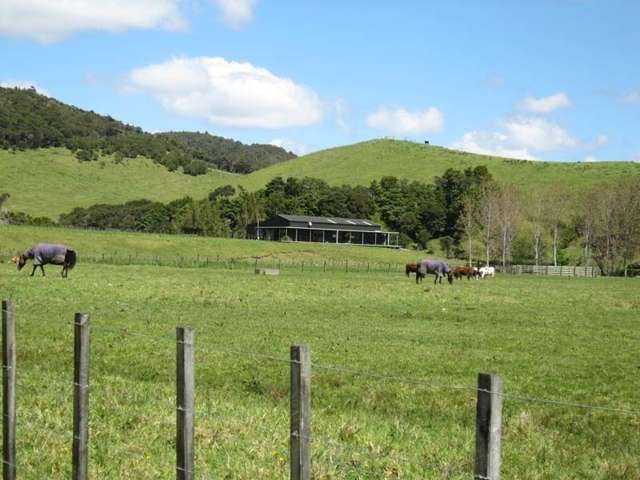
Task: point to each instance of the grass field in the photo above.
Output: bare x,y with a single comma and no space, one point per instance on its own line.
571,339
51,181
15,239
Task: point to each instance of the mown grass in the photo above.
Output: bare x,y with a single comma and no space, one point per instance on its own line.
51,181
574,339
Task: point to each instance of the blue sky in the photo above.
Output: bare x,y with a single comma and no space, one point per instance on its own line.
553,80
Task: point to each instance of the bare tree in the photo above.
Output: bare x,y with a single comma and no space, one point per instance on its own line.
469,222
508,212
600,213
557,201
535,210
627,220
487,212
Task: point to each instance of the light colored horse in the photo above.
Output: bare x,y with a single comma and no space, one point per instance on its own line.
487,272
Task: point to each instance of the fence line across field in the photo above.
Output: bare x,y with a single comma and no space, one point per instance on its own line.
489,392
329,265
375,375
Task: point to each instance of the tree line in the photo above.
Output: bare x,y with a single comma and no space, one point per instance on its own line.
467,212
553,225
30,120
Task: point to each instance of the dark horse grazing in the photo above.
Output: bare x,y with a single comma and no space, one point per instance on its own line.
411,268
45,253
464,271
437,267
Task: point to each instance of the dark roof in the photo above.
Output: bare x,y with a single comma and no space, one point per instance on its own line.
353,222
328,223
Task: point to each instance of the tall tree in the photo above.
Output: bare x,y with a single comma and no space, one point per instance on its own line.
557,202
535,213
487,215
507,215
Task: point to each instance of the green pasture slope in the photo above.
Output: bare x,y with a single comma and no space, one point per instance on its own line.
361,163
48,182
570,339
51,181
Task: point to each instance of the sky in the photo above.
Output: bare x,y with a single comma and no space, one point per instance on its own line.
544,80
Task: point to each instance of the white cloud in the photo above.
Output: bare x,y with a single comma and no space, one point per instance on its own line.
538,134
24,85
48,21
290,145
227,93
491,143
632,98
236,13
545,104
589,159
518,137
399,121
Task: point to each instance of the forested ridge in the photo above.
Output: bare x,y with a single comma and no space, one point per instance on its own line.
31,120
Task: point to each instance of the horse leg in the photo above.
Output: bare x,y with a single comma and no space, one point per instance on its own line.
33,271
64,271
42,268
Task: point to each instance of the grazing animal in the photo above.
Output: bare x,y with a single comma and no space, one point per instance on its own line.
464,271
437,267
45,253
487,272
411,268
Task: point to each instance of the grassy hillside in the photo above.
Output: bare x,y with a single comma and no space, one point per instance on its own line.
363,162
48,182
51,181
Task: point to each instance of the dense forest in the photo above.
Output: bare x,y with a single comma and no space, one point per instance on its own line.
30,120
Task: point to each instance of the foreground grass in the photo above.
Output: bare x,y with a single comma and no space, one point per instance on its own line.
549,337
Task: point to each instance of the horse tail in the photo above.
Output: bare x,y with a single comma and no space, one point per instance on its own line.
70,259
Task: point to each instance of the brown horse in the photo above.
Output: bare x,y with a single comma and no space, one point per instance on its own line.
464,271
411,268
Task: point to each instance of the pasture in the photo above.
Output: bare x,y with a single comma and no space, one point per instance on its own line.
552,338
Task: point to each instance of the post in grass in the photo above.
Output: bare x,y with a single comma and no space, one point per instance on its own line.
8,391
80,448
488,427
185,404
300,446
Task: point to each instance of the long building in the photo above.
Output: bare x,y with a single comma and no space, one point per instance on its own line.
303,228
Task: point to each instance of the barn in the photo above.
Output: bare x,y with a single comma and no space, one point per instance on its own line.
304,228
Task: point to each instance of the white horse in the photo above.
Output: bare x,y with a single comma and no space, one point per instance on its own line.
487,272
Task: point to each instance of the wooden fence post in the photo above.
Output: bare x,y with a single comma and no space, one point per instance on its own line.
300,450
8,391
488,427
185,404
80,453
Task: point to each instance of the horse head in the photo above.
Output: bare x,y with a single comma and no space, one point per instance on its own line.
20,261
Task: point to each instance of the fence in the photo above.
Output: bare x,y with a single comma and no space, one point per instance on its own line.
238,263
560,270
488,412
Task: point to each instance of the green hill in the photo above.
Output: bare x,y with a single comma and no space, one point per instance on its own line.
48,182
29,120
363,162
52,181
